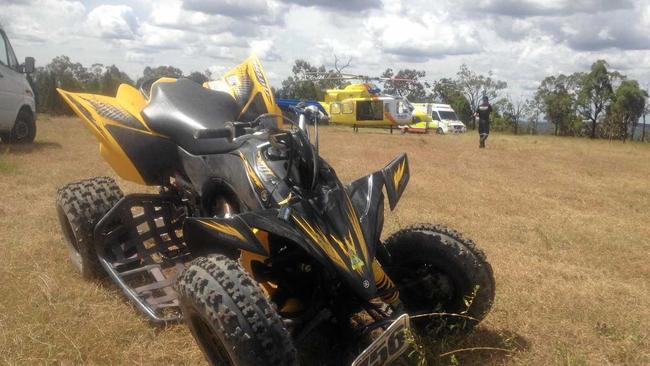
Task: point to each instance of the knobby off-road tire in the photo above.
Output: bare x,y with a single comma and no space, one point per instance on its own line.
439,271
80,206
229,317
24,130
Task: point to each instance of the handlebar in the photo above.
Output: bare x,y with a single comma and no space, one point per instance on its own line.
213,133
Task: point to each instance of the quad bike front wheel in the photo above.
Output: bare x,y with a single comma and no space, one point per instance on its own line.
229,317
80,205
441,276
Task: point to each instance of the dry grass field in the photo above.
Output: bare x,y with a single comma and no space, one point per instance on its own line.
564,222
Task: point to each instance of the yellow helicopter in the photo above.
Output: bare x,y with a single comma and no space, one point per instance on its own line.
359,104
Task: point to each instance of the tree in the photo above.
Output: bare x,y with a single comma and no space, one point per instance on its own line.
474,86
447,91
532,111
595,93
557,97
112,79
304,82
159,72
198,77
629,105
514,111
63,73
309,81
645,112
340,67
499,119
406,85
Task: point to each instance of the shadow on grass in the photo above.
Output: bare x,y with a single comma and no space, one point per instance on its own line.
21,149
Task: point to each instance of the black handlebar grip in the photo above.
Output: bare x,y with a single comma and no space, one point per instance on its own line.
212,133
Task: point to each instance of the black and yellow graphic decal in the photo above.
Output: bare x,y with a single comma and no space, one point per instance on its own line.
263,168
224,229
398,174
252,176
248,84
317,235
349,252
102,113
396,177
384,284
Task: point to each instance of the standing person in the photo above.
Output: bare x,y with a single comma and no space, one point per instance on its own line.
483,113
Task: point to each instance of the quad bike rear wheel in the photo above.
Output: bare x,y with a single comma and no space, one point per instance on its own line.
229,317
80,205
439,272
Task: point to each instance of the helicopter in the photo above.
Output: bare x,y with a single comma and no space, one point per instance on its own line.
359,104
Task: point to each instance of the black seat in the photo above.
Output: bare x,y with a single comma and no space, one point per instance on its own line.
178,109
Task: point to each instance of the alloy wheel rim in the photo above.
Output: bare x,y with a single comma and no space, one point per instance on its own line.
21,130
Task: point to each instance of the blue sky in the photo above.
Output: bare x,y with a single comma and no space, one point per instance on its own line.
518,41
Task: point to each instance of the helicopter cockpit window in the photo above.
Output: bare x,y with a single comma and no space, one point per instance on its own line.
402,107
335,108
370,110
348,108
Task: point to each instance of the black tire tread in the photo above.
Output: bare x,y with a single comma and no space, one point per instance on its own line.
84,203
234,303
26,116
474,258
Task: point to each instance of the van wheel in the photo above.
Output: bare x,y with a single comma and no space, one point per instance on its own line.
439,131
24,130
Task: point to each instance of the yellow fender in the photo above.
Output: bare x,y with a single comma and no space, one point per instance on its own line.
123,110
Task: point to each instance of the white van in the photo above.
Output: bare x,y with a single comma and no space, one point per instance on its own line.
443,117
17,102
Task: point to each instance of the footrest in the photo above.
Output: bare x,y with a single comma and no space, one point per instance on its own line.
140,244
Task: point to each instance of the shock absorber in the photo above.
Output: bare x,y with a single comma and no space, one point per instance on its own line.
385,286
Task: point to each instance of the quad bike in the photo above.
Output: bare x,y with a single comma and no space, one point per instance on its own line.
252,239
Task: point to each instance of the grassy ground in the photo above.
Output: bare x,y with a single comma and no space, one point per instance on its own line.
564,223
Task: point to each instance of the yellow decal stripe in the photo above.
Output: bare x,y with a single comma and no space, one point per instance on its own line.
251,172
286,200
223,228
354,221
398,174
317,235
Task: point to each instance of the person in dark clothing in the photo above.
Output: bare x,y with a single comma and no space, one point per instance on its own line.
483,113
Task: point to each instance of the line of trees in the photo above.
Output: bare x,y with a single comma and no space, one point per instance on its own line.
599,103
63,73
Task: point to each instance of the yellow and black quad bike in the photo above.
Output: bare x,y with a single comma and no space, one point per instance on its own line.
252,239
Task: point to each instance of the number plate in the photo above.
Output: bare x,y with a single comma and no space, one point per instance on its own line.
387,347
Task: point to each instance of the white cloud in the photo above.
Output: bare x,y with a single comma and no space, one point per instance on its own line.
113,22
42,20
138,57
419,37
264,48
260,12
520,41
